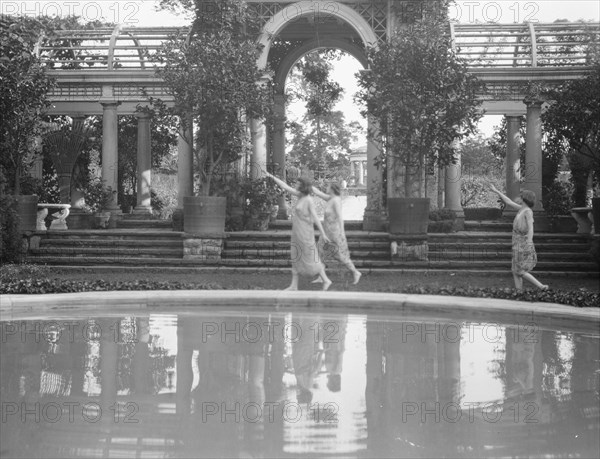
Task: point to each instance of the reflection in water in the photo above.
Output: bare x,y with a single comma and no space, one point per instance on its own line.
291,385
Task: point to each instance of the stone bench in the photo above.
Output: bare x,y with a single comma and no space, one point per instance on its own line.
584,218
59,222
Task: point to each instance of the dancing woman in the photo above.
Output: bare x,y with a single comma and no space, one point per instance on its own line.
305,258
333,224
524,257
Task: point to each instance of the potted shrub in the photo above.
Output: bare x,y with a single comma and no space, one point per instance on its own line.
212,74
423,99
260,200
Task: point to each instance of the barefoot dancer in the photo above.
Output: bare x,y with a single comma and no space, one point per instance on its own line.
305,258
524,257
333,224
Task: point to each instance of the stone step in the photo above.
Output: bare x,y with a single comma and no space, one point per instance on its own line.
436,245
111,252
114,234
285,244
112,242
285,253
144,223
356,225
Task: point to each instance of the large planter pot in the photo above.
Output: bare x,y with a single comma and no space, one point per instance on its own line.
596,213
27,210
204,214
408,215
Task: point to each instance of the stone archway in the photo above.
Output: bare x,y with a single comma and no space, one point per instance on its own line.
278,133
273,27
306,8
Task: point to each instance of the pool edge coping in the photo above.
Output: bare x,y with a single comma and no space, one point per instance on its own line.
17,307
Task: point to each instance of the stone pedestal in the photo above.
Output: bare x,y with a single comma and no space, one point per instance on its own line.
203,248
407,247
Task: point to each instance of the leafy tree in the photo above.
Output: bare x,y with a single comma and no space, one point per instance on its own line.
573,119
321,142
423,98
213,75
23,98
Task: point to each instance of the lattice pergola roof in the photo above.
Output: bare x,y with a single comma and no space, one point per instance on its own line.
482,45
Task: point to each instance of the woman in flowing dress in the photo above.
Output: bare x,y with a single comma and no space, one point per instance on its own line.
304,253
333,224
524,257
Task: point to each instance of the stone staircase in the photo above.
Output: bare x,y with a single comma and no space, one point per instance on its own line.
475,251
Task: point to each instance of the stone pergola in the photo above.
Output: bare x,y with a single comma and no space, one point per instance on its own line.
110,72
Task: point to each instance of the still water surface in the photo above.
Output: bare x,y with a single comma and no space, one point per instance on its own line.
296,385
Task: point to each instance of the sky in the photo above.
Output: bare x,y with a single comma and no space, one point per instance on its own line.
142,13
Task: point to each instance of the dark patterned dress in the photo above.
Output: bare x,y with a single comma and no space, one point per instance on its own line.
305,257
524,257
337,249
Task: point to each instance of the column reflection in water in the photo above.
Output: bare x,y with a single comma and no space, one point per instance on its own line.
244,385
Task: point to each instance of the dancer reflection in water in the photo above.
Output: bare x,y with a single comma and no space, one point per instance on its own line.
305,257
524,257
333,224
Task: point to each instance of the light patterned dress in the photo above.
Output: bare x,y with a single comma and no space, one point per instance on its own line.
337,249
305,257
524,257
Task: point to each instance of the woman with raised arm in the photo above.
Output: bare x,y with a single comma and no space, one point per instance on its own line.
524,257
333,224
305,257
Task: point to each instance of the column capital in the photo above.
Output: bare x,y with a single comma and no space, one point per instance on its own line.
534,95
109,102
142,115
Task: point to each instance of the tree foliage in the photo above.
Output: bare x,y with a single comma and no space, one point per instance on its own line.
422,97
322,140
213,74
23,99
573,118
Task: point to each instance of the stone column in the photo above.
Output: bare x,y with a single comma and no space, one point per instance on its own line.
440,186
375,213
513,164
110,150
185,159
453,180
361,172
144,165
533,154
259,148
279,149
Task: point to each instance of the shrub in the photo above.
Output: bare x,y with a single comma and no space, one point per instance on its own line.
482,213
557,198
10,273
10,240
441,215
45,285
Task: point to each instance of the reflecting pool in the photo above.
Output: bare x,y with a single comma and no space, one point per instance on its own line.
287,384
